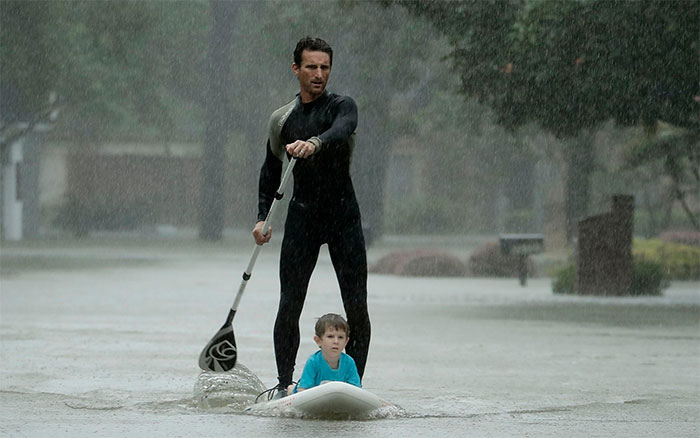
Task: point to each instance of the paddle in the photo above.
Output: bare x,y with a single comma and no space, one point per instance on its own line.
220,353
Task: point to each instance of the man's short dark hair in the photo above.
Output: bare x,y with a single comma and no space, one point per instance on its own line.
314,45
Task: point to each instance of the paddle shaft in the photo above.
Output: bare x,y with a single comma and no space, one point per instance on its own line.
265,228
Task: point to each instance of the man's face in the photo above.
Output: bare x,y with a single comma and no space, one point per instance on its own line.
312,74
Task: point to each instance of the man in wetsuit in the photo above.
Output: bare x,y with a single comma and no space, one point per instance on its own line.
317,128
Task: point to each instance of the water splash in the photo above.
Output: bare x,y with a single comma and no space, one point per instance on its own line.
388,411
234,390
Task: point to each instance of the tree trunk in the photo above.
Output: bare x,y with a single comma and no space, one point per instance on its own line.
370,161
520,190
218,123
580,167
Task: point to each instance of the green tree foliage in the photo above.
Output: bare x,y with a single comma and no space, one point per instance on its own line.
582,62
677,151
23,46
571,65
480,33
107,62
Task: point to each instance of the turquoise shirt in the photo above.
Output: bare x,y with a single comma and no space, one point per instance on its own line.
317,370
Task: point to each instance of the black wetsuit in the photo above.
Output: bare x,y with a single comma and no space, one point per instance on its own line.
323,209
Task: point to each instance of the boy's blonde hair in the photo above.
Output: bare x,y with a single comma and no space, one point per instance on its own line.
331,320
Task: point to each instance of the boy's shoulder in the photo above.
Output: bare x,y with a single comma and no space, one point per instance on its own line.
316,357
347,362
347,357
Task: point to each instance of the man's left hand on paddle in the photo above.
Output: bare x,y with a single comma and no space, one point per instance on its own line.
300,149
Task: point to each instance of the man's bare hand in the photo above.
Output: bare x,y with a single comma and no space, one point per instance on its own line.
261,239
300,149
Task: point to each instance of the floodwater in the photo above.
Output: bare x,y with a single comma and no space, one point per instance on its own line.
101,338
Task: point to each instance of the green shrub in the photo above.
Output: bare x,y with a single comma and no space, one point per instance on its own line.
648,278
564,280
678,261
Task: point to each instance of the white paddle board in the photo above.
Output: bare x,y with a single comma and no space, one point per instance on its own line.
327,399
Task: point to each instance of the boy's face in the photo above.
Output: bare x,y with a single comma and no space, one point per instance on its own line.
332,343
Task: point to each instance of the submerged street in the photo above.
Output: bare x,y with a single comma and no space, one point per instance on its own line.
102,337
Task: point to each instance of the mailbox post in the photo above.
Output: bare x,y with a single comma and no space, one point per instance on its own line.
522,245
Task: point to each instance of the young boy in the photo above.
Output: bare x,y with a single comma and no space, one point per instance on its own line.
329,363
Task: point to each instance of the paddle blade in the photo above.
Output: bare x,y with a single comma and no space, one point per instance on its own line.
220,354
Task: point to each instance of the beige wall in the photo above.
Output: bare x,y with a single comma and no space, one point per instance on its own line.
53,179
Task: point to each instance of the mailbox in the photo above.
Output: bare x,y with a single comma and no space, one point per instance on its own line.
522,245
